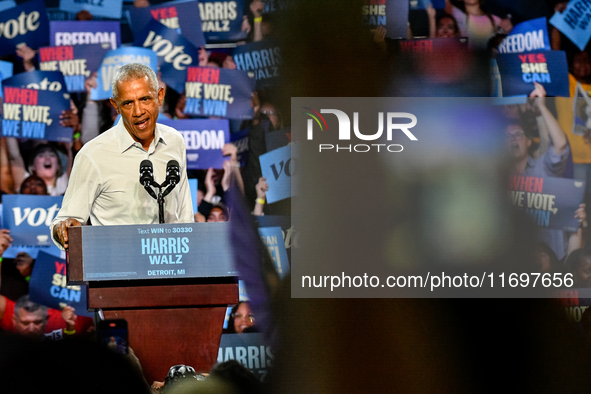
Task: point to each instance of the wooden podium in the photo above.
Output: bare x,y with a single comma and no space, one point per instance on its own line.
176,315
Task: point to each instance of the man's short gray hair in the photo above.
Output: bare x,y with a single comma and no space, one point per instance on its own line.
25,303
131,71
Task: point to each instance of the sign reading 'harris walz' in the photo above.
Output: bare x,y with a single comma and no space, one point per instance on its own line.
151,251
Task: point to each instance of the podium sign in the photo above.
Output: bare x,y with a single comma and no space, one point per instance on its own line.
156,251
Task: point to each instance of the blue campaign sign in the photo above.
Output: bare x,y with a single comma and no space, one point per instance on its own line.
193,182
76,63
26,23
218,92
172,50
85,32
520,71
221,21
250,349
204,139
6,4
273,239
392,14
551,202
28,217
106,8
573,22
180,17
34,114
33,250
240,139
40,80
48,286
277,166
527,36
261,60
5,72
113,61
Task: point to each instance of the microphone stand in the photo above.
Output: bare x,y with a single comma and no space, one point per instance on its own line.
160,197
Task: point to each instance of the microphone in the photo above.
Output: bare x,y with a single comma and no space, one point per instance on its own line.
173,176
146,173
147,177
173,171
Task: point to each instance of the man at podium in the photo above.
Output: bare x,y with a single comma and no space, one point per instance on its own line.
104,183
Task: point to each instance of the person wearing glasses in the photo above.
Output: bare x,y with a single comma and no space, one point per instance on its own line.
553,161
241,319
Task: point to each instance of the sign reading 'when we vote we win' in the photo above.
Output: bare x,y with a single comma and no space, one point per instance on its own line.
219,92
76,63
551,202
30,113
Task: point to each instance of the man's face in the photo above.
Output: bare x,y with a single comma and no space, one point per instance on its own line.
517,141
31,324
138,105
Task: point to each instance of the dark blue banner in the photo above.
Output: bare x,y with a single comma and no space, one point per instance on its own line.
48,286
217,92
520,71
277,166
204,139
180,17
85,32
261,60
115,59
250,350
240,139
28,217
221,21
392,14
173,50
76,63
527,36
551,202
39,80
423,4
429,45
107,8
26,23
278,138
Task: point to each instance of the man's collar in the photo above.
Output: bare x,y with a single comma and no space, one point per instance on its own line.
126,141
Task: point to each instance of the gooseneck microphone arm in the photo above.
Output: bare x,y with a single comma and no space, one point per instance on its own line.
147,180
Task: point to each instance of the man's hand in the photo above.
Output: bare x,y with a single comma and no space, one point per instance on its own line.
257,7
5,240
230,150
69,118
69,316
209,186
262,188
27,54
581,215
60,232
